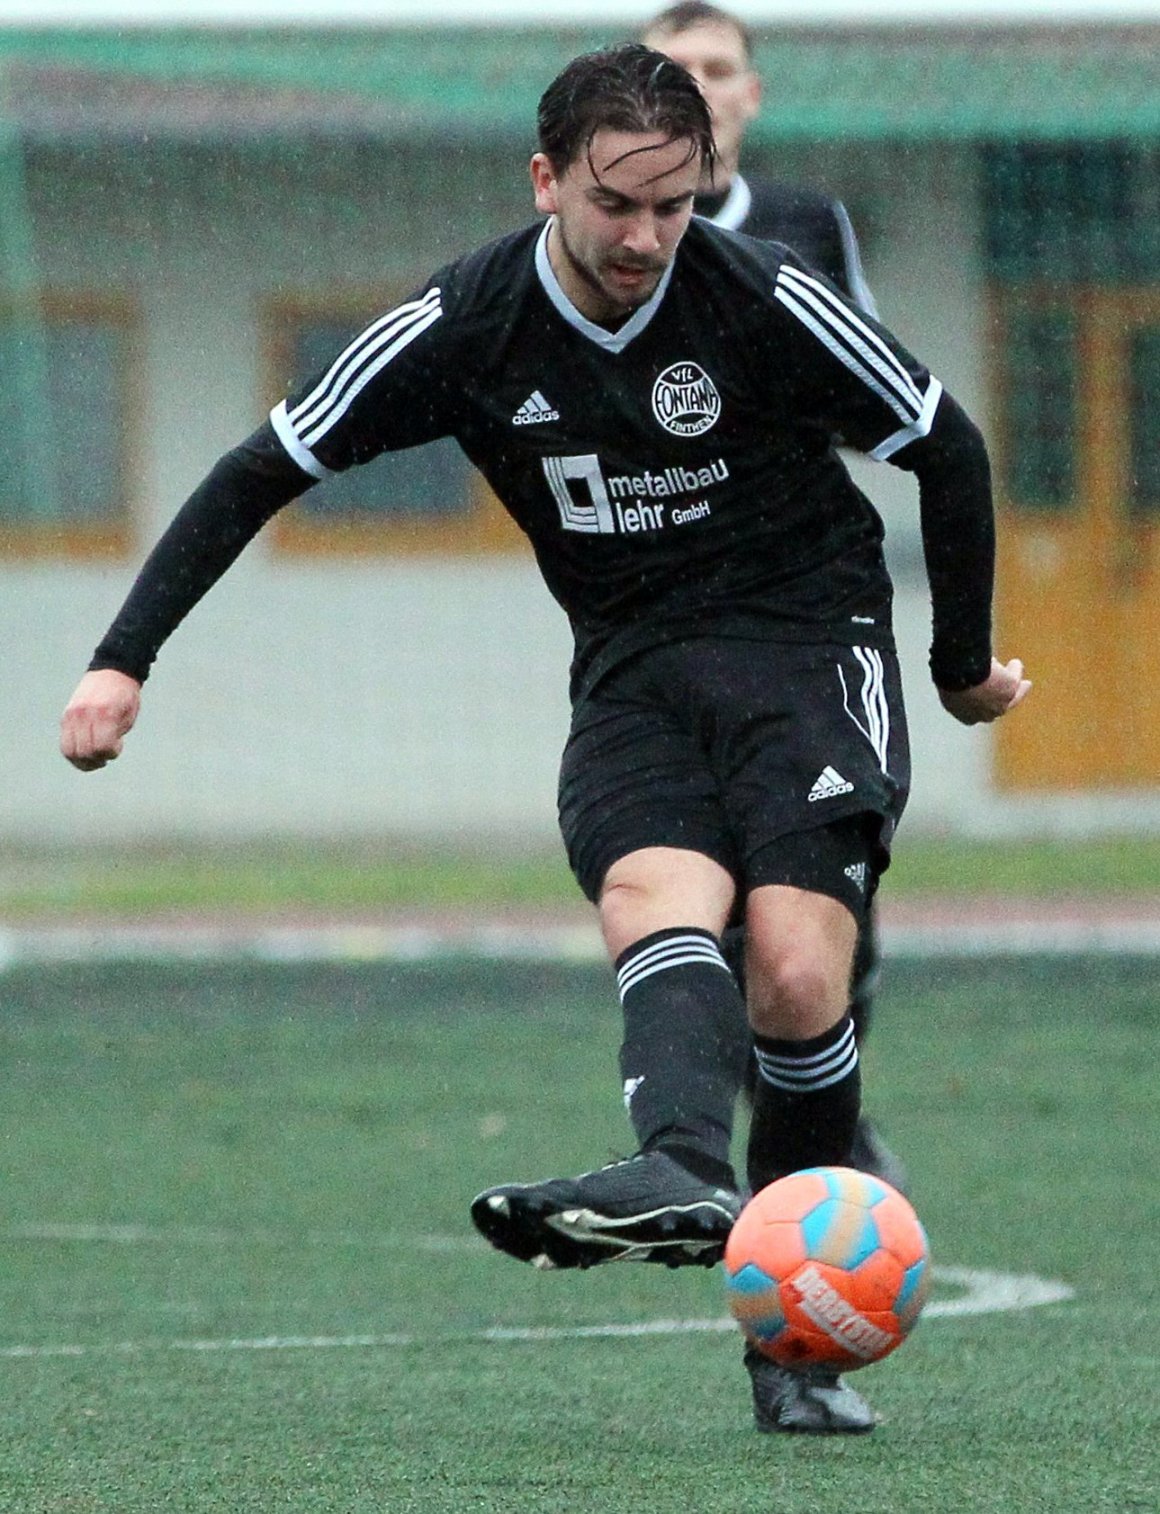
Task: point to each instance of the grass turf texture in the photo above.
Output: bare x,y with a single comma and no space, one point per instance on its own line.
364,876
290,1153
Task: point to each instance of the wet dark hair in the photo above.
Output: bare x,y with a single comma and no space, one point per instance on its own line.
629,88
690,13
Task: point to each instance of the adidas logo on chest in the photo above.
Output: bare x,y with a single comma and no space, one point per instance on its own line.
534,411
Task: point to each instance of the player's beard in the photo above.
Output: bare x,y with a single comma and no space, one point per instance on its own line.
619,305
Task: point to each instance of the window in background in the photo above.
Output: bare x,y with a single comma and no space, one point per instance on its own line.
67,413
424,500
1072,212
1037,383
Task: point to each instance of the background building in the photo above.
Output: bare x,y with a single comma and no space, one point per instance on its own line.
191,216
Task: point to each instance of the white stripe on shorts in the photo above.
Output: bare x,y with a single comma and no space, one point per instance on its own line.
873,720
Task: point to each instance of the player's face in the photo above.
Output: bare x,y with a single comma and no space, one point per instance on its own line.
714,53
620,209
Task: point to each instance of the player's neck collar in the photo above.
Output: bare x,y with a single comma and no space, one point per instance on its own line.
611,341
734,208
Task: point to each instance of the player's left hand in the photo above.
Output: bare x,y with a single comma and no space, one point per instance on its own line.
1002,689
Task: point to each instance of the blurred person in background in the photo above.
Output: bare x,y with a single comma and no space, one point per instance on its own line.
655,400
717,49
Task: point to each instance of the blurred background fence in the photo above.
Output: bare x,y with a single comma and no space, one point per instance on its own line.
189,218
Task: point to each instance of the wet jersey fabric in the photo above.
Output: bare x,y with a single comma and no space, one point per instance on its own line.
674,476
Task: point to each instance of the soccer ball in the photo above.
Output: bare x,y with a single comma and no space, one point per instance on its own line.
827,1266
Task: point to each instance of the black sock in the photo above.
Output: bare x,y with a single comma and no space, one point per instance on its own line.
805,1105
686,1040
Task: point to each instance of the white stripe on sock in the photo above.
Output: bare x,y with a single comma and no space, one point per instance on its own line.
812,1073
672,951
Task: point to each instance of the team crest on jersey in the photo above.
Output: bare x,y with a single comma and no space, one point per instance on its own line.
685,400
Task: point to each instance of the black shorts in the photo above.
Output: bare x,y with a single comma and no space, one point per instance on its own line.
741,750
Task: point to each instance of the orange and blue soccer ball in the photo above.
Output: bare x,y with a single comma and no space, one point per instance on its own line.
827,1266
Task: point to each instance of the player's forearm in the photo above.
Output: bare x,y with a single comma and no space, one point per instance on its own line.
242,491
958,537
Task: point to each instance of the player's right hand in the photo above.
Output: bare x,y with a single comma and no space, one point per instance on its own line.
97,717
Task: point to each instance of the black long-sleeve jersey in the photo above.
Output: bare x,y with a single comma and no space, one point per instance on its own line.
813,223
675,477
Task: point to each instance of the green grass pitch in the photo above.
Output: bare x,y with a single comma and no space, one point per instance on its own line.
238,1272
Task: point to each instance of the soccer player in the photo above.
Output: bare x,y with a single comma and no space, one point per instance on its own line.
717,49
654,400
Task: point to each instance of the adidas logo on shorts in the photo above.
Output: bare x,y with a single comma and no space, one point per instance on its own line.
534,411
828,785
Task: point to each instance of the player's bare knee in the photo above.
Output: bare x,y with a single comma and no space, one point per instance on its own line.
623,901
797,993
656,889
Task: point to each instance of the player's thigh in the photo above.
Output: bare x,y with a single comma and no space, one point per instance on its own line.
633,778
658,888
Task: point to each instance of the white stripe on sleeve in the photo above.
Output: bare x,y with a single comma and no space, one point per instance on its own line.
287,435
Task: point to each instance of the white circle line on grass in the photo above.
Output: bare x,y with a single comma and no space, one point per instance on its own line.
985,1293
995,1292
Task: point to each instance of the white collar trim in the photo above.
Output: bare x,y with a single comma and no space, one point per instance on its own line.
611,341
736,206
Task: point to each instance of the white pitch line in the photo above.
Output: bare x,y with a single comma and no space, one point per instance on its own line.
347,943
296,1343
986,1293
496,941
199,1235
1051,938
